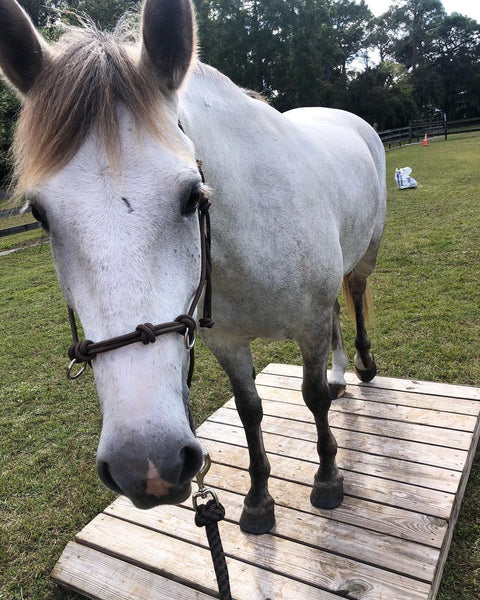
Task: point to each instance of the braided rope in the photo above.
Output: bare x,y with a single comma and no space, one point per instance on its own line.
208,515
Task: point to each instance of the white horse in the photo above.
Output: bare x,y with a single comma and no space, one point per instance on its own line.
298,206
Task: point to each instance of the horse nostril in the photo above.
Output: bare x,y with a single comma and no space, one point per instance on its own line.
103,470
192,461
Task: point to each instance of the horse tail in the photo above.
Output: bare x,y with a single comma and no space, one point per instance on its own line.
348,300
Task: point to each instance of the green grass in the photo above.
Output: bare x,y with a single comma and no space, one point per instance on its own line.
426,327
21,239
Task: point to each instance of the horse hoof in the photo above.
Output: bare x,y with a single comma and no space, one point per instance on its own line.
365,372
336,390
327,494
257,521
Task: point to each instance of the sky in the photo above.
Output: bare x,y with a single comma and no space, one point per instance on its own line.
470,8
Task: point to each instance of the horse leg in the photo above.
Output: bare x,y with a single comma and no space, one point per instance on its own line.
340,361
364,362
258,510
327,489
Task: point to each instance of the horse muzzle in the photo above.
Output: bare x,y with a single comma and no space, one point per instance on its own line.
148,483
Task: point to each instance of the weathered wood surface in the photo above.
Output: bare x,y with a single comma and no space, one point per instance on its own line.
405,448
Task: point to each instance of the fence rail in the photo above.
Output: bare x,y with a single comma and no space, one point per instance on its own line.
12,212
19,229
432,127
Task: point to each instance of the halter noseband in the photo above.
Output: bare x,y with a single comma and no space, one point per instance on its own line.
85,351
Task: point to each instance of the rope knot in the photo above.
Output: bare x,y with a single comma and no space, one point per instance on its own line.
80,351
209,513
147,333
188,321
206,322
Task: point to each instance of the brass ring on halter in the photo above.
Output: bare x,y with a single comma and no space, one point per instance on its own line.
70,374
190,339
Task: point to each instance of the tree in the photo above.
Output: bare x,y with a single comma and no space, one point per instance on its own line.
9,106
383,95
416,23
456,61
352,24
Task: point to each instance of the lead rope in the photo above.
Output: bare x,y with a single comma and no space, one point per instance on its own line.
208,515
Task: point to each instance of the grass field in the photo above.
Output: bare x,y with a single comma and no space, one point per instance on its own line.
427,326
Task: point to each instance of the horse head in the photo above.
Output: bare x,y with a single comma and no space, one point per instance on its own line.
106,169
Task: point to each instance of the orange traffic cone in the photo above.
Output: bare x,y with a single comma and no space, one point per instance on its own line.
425,140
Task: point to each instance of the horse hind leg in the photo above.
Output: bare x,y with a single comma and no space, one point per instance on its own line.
337,381
357,293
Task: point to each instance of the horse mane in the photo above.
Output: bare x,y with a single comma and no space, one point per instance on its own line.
255,95
88,74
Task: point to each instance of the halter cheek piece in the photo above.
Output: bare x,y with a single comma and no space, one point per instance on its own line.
85,351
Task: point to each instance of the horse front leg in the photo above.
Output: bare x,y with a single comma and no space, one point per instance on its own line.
258,511
327,491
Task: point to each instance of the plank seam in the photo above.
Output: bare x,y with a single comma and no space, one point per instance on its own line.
371,418
331,516
193,584
387,406
459,470
277,571
281,386
342,468
190,583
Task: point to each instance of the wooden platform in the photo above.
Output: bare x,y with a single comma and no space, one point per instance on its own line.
406,449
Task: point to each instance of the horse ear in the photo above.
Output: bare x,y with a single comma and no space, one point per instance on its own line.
168,31
21,48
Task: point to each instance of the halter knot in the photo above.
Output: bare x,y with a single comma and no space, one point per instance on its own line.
208,513
147,333
207,322
80,351
188,321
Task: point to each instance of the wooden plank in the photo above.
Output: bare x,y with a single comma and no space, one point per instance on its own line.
390,383
187,563
435,478
290,558
382,518
406,454
397,397
99,576
449,458
341,539
394,493
455,513
386,427
378,403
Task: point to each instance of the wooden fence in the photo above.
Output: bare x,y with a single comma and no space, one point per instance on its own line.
432,127
11,212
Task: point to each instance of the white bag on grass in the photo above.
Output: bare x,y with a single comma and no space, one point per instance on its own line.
403,179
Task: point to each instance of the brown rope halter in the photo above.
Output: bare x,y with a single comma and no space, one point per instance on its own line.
85,351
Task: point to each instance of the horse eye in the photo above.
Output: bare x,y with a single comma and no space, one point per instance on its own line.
40,215
191,203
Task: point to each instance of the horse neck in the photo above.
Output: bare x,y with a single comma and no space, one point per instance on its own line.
216,113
